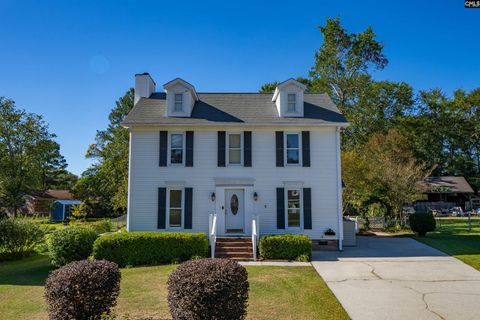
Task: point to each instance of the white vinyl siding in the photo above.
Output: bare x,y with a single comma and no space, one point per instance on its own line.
146,177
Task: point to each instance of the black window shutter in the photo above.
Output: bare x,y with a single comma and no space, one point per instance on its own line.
306,148
247,148
189,145
280,208
221,149
163,148
162,208
279,147
188,208
307,208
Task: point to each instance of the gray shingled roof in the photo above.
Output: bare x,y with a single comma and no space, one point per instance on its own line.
232,108
447,184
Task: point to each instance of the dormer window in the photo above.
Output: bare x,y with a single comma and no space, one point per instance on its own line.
178,106
291,102
288,98
181,97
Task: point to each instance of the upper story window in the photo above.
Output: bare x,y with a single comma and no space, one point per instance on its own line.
234,148
292,149
178,106
293,208
177,145
291,102
175,208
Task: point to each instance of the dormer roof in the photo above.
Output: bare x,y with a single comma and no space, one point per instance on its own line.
285,83
184,83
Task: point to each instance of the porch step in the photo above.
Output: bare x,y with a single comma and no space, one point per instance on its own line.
235,248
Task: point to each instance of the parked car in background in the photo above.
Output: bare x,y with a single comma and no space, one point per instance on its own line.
456,212
408,210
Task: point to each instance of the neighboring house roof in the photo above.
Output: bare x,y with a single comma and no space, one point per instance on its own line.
447,184
235,108
68,201
52,194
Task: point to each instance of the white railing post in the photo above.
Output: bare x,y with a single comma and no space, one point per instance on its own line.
255,233
212,233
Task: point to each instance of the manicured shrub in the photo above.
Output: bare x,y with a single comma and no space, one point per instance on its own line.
286,247
422,222
142,248
82,290
19,237
208,289
101,226
71,244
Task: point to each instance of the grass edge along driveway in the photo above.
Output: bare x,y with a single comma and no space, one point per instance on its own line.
275,292
453,237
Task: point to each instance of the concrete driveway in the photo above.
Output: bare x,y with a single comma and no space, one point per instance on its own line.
400,278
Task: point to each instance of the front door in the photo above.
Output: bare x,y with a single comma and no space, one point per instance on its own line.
234,211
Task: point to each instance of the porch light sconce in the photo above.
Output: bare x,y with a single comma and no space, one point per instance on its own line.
255,196
212,196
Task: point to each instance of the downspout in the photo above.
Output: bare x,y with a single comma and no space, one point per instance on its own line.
339,189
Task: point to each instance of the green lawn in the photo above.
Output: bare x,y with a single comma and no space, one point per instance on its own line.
275,292
453,237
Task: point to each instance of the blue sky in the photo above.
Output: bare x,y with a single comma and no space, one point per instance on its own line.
70,60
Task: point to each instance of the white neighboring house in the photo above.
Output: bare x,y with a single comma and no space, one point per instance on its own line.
233,164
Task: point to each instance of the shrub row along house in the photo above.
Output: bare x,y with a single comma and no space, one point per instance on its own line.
235,165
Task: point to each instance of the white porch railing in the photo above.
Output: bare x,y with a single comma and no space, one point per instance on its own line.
212,235
255,235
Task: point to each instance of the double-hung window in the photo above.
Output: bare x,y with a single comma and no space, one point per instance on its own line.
177,145
178,106
235,148
292,148
175,208
291,102
294,208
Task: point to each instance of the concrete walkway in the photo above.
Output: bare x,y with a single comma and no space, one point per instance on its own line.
400,278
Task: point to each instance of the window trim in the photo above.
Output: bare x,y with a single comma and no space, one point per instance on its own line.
175,102
227,149
169,155
300,195
182,213
285,150
294,103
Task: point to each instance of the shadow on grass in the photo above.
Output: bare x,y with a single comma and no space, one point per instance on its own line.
31,271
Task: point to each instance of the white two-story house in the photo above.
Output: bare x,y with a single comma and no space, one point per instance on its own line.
233,164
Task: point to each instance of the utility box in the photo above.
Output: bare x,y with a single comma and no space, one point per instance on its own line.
349,233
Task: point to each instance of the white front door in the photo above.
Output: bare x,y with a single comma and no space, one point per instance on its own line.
234,210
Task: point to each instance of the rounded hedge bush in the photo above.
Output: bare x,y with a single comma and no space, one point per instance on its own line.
208,289
143,248
71,244
19,237
286,247
422,222
82,290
